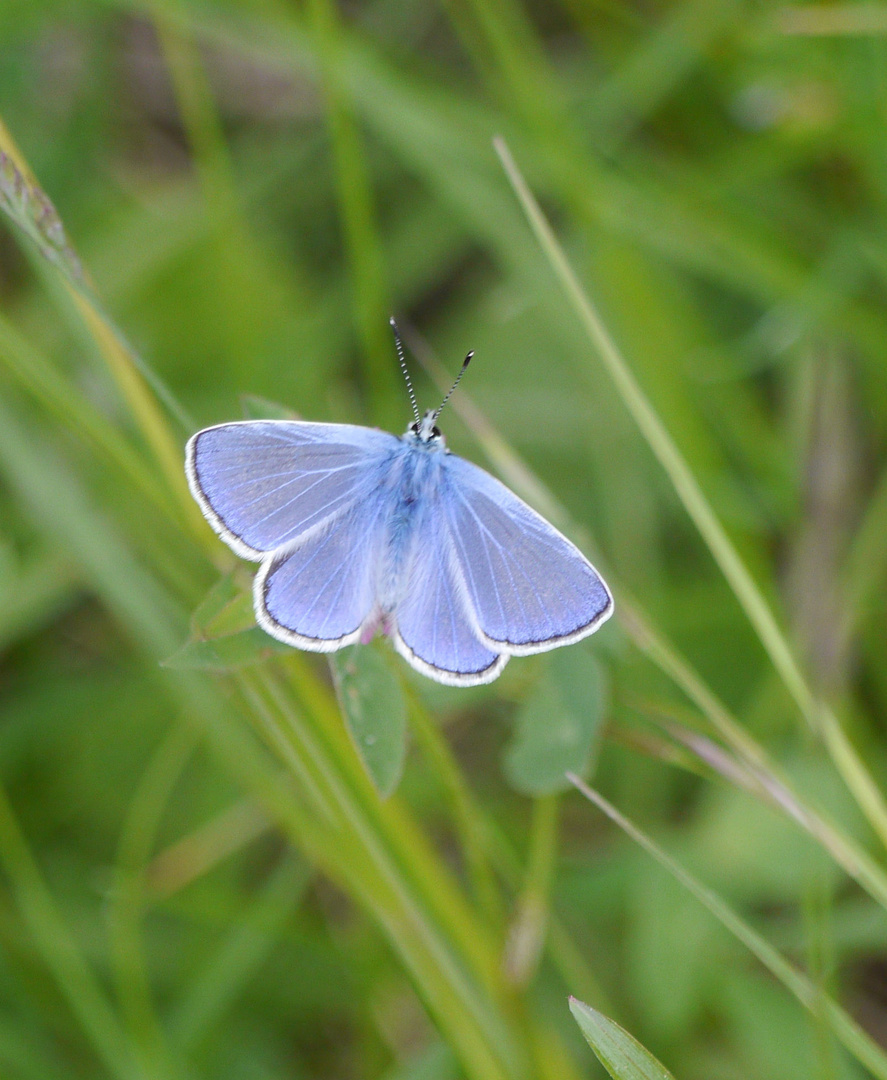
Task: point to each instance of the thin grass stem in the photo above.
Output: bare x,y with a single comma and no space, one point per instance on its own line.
819,716
850,1034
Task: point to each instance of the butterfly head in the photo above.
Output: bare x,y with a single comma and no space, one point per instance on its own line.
425,429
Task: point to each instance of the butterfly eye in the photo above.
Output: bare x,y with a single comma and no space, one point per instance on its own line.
415,428
435,431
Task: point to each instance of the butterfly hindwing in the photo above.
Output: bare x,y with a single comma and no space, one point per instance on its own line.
435,629
319,592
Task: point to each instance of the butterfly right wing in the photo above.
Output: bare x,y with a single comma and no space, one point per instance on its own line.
262,484
527,586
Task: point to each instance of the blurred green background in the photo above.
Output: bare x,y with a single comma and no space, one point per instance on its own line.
197,878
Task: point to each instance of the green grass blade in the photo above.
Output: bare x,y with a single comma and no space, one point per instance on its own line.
812,997
529,927
126,369
57,394
818,715
128,909
244,948
61,952
355,197
29,207
468,821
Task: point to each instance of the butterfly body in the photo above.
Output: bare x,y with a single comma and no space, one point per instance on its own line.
357,529
411,479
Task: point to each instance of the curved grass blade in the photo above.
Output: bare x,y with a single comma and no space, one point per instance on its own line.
31,210
22,199
818,715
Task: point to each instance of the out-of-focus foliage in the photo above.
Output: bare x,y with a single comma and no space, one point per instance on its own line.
197,877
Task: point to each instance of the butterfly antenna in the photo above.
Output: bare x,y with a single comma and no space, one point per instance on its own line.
403,367
465,364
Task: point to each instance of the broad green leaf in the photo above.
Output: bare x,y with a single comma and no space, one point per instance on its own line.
375,713
620,1053
557,729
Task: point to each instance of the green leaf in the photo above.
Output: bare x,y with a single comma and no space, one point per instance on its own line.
375,713
219,597
224,635
557,730
620,1053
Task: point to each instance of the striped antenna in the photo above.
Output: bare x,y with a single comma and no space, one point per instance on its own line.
465,364
403,367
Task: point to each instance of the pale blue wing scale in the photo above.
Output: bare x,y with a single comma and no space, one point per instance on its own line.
320,592
434,629
261,484
529,588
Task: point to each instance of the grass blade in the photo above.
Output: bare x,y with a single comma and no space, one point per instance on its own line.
750,597
812,997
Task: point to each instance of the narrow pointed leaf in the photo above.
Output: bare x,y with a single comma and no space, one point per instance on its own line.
225,653
30,208
620,1053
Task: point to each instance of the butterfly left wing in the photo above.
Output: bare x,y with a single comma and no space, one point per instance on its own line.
530,589
305,500
261,484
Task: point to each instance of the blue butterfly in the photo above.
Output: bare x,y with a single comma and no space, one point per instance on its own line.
358,530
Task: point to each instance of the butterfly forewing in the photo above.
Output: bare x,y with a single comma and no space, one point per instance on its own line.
529,587
263,483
